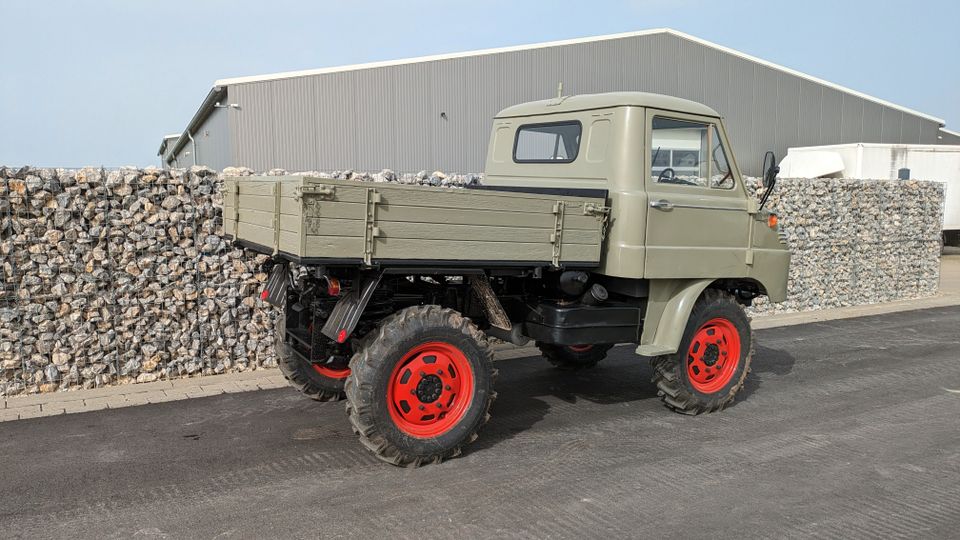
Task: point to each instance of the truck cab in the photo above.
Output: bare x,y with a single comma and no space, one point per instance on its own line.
680,212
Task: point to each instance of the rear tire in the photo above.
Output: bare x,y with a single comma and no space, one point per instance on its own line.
713,360
573,357
420,386
314,381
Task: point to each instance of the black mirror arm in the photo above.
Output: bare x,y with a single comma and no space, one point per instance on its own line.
771,180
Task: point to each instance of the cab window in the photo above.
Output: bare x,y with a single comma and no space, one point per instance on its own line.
556,142
688,154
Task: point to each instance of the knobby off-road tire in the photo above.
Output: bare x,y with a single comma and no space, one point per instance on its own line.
304,376
713,360
573,357
420,386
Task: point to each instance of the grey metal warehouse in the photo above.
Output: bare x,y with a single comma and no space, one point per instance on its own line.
435,112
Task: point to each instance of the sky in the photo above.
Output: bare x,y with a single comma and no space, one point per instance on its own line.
101,82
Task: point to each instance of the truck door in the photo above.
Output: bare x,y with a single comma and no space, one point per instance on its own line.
698,221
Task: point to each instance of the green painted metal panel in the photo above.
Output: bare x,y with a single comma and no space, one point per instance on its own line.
483,233
259,218
254,233
322,218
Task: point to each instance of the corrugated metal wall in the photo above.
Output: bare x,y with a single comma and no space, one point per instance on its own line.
390,117
213,141
948,138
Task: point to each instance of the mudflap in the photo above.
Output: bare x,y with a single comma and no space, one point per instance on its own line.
275,291
345,316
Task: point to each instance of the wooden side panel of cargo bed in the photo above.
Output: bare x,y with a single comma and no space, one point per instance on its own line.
449,224
321,218
253,209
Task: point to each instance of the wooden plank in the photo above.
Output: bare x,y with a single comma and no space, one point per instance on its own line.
290,223
253,233
471,200
339,247
290,243
431,231
287,189
258,217
414,214
329,226
254,187
422,196
310,180
267,203
402,248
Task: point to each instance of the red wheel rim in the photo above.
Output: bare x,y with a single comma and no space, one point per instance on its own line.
579,348
328,371
713,356
430,389
332,372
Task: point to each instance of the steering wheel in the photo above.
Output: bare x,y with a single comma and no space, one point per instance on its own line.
666,175
725,177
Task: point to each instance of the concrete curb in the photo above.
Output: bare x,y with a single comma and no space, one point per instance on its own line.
130,395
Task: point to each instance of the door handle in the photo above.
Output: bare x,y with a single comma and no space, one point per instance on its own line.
662,204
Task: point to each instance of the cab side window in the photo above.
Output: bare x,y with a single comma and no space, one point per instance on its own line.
689,154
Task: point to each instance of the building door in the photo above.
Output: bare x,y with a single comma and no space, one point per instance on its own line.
698,221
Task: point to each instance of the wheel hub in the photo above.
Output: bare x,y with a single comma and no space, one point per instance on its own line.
713,355
429,389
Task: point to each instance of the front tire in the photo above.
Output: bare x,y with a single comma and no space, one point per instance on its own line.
713,360
420,386
573,357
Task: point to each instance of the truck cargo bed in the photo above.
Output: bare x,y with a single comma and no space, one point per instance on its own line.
324,221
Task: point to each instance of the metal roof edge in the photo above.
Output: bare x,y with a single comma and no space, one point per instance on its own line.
803,75
435,57
950,131
574,41
163,143
202,113
872,145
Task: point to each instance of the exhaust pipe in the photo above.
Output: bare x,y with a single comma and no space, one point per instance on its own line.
514,335
595,296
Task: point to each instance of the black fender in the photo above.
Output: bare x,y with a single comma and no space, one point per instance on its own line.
346,314
275,290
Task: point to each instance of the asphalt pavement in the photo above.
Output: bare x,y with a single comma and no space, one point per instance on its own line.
849,428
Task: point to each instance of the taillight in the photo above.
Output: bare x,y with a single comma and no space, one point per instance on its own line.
341,336
264,294
333,286
772,221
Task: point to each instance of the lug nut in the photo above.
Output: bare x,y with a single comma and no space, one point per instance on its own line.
446,387
439,372
422,408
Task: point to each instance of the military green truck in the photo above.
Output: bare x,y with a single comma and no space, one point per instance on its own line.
602,219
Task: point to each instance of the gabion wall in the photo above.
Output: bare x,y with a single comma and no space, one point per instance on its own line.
855,242
123,276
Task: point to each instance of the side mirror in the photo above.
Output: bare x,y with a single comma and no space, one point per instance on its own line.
770,171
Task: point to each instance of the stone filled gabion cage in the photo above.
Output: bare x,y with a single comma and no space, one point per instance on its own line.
120,276
856,242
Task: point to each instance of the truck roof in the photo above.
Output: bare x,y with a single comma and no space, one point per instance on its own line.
585,102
